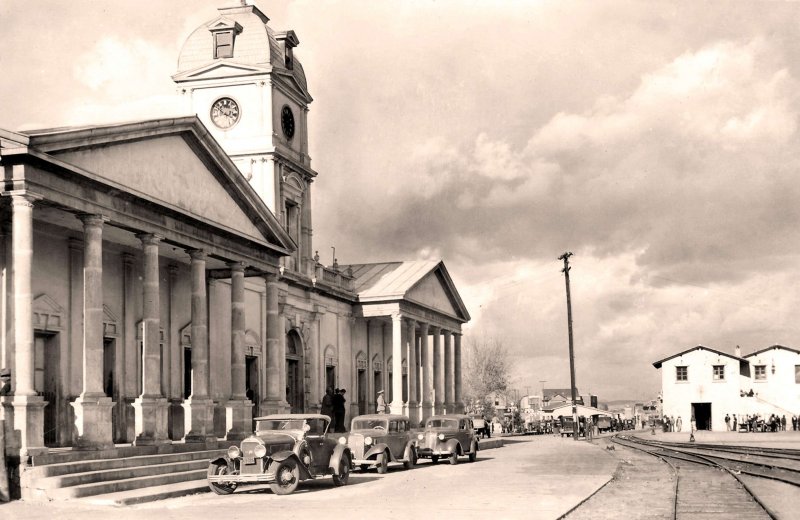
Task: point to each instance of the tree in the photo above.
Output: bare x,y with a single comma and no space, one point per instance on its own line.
485,373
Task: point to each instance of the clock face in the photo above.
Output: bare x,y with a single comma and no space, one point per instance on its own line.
225,112
287,122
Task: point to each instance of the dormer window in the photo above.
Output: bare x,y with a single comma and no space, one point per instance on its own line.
289,41
223,44
224,32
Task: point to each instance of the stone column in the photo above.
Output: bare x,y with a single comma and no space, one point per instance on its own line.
458,399
151,408
449,396
239,409
438,372
199,409
92,407
273,403
427,372
397,364
27,405
411,358
315,360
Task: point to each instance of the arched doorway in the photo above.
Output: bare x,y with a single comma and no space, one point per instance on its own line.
361,382
331,361
294,372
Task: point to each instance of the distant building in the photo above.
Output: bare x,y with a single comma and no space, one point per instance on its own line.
708,384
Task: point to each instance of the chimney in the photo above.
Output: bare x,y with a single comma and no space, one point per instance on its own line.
738,351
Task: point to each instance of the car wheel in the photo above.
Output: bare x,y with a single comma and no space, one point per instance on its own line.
473,454
344,472
287,477
453,458
383,463
434,458
218,487
412,459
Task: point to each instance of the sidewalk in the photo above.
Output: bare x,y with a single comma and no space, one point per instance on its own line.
787,439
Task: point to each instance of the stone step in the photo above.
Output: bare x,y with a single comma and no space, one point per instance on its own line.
148,494
85,466
100,488
121,473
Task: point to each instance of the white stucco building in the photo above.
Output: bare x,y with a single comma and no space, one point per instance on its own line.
709,384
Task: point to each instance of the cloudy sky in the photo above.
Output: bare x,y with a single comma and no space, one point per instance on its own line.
657,141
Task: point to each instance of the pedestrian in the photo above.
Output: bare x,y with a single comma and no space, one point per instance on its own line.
678,424
380,403
727,422
734,422
783,423
338,409
327,404
794,423
5,383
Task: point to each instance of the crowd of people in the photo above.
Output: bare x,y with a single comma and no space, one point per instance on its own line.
757,423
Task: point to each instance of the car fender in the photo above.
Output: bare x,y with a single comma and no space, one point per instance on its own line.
284,455
410,448
377,449
336,458
222,460
453,446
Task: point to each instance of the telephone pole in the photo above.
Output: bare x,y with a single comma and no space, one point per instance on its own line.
565,258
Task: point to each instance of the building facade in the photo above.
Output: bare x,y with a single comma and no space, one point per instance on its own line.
707,384
159,281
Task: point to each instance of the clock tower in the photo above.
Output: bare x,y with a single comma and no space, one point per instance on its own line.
243,81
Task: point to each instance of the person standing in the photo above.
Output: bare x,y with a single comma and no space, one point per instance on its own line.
734,422
783,423
678,424
338,409
5,381
380,403
727,422
327,404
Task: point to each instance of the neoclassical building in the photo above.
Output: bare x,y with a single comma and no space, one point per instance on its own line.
159,281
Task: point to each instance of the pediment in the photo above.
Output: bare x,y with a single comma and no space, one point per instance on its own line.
223,24
431,292
225,69
48,315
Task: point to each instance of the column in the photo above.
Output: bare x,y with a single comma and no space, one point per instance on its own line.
411,357
27,405
438,372
397,364
151,408
198,408
449,396
92,407
239,409
275,364
427,372
315,359
457,399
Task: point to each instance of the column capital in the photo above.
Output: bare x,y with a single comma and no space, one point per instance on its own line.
127,259
150,238
237,267
197,254
24,199
411,322
76,244
92,219
435,329
397,316
172,269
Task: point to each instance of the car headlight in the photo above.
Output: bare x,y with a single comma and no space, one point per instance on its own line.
420,436
260,451
441,436
342,440
234,452
367,440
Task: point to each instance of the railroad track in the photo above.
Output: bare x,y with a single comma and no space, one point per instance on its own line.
709,477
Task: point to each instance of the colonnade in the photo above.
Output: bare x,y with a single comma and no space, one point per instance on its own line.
434,360
92,407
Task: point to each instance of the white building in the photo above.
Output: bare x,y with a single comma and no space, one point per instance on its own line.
709,384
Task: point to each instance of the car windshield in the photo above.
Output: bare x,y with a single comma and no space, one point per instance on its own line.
280,425
370,424
442,423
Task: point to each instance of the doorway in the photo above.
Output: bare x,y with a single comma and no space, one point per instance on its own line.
294,373
45,381
330,377
251,382
361,391
187,372
109,383
702,415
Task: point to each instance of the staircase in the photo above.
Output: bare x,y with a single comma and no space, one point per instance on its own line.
125,475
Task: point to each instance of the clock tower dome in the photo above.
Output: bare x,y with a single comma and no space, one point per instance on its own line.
243,81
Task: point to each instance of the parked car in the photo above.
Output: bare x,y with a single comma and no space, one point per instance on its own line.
567,426
376,440
481,426
448,436
284,450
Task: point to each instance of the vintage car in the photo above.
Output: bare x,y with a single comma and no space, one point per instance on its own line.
376,440
448,436
284,450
